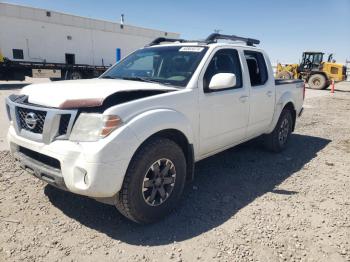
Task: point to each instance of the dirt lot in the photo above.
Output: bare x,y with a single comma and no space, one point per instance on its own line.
245,205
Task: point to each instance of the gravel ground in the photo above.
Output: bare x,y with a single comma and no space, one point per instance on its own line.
245,205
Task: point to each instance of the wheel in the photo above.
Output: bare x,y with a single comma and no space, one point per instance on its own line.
76,75
154,181
317,81
278,139
284,75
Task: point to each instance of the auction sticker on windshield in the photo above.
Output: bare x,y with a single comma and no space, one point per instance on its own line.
191,49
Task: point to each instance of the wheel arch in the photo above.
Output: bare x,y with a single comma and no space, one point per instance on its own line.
167,123
291,108
286,101
182,141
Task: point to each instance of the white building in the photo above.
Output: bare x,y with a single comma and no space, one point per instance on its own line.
37,35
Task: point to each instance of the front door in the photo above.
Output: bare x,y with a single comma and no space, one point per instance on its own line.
223,113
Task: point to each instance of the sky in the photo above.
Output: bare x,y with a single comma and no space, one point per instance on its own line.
285,28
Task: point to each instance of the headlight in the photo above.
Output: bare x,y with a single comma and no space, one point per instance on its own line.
92,127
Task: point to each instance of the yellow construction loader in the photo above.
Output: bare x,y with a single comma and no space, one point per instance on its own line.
1,57
312,69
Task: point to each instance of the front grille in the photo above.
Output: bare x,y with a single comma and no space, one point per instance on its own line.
64,122
47,160
38,123
40,116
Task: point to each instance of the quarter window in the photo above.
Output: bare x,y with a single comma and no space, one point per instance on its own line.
224,61
257,68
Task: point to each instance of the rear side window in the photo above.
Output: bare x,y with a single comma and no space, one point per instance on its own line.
224,61
257,68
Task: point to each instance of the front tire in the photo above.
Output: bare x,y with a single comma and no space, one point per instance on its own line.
277,140
317,81
154,181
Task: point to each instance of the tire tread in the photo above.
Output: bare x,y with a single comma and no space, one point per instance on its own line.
122,202
271,143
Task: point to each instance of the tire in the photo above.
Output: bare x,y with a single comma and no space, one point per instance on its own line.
142,179
76,75
19,76
317,81
278,139
284,75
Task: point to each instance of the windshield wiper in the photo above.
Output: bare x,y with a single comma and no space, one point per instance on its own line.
108,77
143,79
139,78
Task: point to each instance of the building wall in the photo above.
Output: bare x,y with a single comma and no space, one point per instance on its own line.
49,38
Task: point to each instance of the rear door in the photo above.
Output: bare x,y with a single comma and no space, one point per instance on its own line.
262,93
223,113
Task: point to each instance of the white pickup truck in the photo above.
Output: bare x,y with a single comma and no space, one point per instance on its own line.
131,137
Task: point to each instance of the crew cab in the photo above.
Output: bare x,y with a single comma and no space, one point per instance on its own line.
132,137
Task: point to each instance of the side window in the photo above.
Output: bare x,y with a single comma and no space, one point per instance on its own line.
257,68
224,61
17,53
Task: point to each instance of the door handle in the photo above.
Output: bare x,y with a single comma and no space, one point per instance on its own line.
269,93
243,99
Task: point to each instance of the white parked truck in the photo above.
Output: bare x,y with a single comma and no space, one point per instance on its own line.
132,136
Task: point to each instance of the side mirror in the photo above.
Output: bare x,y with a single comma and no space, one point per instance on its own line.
222,81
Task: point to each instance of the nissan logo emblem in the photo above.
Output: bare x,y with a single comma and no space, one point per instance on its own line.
31,120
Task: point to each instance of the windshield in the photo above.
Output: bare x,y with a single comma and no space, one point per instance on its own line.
168,65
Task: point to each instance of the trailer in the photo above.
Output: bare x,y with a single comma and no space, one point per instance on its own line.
15,70
47,44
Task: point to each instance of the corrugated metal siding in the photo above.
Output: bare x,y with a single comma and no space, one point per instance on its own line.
36,14
49,38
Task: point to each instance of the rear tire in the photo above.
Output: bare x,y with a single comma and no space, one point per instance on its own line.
154,181
284,75
317,81
278,139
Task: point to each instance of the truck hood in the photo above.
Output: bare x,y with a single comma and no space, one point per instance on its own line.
84,93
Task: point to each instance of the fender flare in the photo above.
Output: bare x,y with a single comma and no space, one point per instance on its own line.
153,121
170,120
280,105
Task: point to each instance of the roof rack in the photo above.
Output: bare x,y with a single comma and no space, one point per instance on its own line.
249,41
159,40
210,39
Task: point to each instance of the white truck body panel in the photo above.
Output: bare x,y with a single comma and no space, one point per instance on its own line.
62,91
211,122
